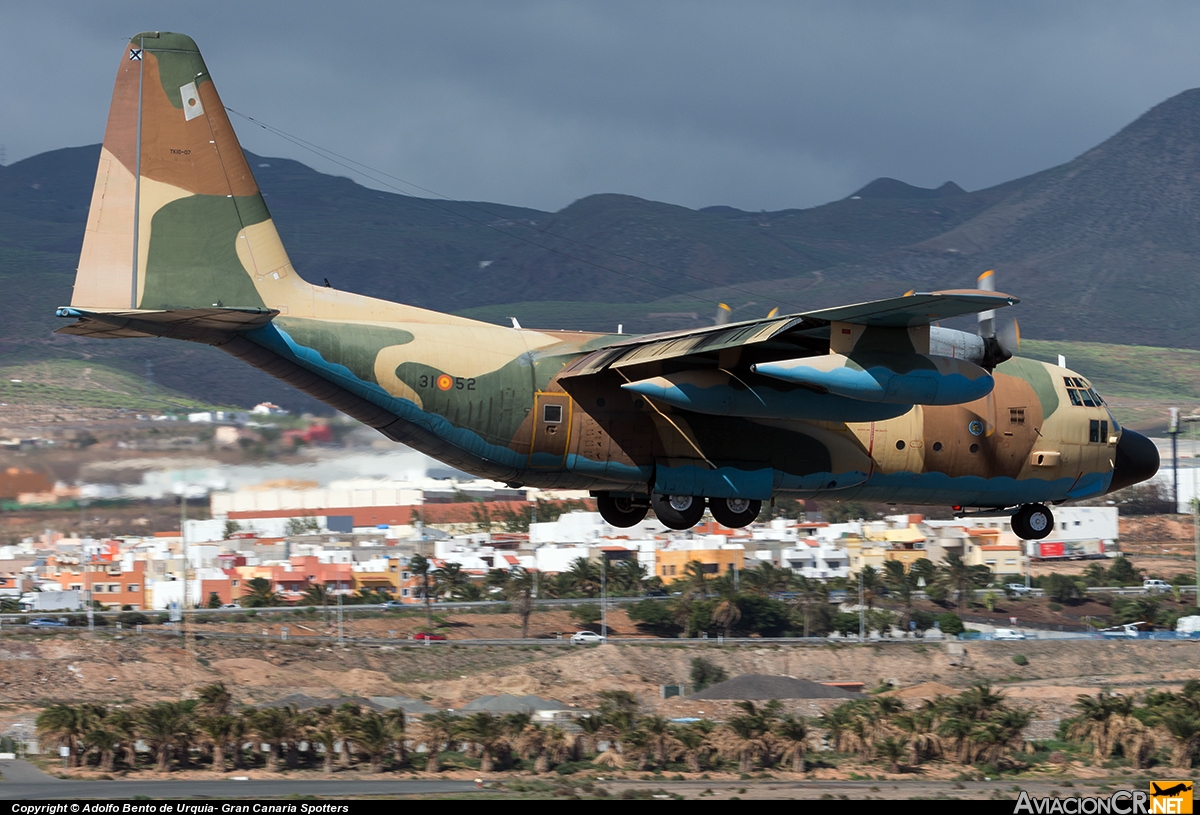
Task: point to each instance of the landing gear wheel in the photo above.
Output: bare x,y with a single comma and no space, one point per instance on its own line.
734,513
621,512
1032,522
677,511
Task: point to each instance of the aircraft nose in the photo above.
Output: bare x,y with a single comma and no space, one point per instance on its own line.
1136,460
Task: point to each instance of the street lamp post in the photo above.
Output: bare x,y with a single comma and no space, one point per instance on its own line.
1192,420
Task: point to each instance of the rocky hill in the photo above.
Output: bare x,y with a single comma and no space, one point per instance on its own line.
1100,249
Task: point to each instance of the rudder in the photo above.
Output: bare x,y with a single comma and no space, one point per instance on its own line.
177,220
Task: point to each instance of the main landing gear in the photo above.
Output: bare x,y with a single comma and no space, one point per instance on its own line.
677,511
1032,522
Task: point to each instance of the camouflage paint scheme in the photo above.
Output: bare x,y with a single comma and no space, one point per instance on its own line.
179,243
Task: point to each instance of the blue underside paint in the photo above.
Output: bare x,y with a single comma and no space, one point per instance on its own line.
723,482
878,384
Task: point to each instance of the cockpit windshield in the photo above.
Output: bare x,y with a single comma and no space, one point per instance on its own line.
1081,393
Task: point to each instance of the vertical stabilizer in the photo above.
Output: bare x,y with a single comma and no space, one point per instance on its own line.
176,219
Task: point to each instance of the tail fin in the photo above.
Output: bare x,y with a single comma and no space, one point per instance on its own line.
177,220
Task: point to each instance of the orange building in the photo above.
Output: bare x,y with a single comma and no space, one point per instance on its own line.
110,585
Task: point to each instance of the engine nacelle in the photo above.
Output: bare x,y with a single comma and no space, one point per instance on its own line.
895,379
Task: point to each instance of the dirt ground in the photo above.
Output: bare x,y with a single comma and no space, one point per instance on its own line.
35,669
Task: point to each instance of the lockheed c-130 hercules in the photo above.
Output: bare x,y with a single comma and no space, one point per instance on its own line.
870,401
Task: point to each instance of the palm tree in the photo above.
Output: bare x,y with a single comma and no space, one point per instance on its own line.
106,741
1184,728
324,733
519,590
661,738
272,727
164,727
618,708
957,576
261,594
584,576
919,727
695,743
695,580
214,700
345,720
811,594
488,732
767,580
792,733
397,724
892,749
436,730
725,613
628,577
64,726
124,724
449,579
960,730
1093,722
585,742
217,731
421,567
374,737
469,593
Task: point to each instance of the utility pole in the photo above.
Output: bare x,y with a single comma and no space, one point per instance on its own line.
603,595
1173,432
862,614
1192,420
340,629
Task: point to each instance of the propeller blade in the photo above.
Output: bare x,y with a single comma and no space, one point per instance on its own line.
724,312
987,319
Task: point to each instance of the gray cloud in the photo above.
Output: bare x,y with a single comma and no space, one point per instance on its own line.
760,105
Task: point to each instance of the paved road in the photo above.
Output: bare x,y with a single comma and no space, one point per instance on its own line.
25,782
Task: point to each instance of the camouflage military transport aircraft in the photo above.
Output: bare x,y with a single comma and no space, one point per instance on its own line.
869,401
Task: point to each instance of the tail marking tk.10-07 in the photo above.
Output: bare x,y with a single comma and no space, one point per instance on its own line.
870,401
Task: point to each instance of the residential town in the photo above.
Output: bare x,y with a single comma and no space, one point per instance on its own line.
357,537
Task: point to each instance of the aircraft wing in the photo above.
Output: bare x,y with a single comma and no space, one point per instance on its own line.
197,324
803,334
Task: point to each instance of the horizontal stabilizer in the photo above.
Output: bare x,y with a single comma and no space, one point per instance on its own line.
195,324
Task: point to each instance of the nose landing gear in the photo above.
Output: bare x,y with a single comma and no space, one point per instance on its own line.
1032,522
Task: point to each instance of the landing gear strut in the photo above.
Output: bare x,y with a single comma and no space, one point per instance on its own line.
621,512
677,511
1032,522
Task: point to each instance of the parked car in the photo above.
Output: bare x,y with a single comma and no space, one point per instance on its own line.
1009,634
391,605
230,605
1155,586
1017,588
43,622
586,637
425,635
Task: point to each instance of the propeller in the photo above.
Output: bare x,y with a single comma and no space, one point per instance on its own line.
1001,338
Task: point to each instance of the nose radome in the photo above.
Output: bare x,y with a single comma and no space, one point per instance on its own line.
1136,460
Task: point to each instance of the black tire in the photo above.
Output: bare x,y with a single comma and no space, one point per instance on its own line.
621,512
1032,522
734,513
678,511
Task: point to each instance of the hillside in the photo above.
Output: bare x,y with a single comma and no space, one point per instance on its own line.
1100,250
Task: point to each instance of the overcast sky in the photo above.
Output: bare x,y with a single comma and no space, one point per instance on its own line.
758,105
